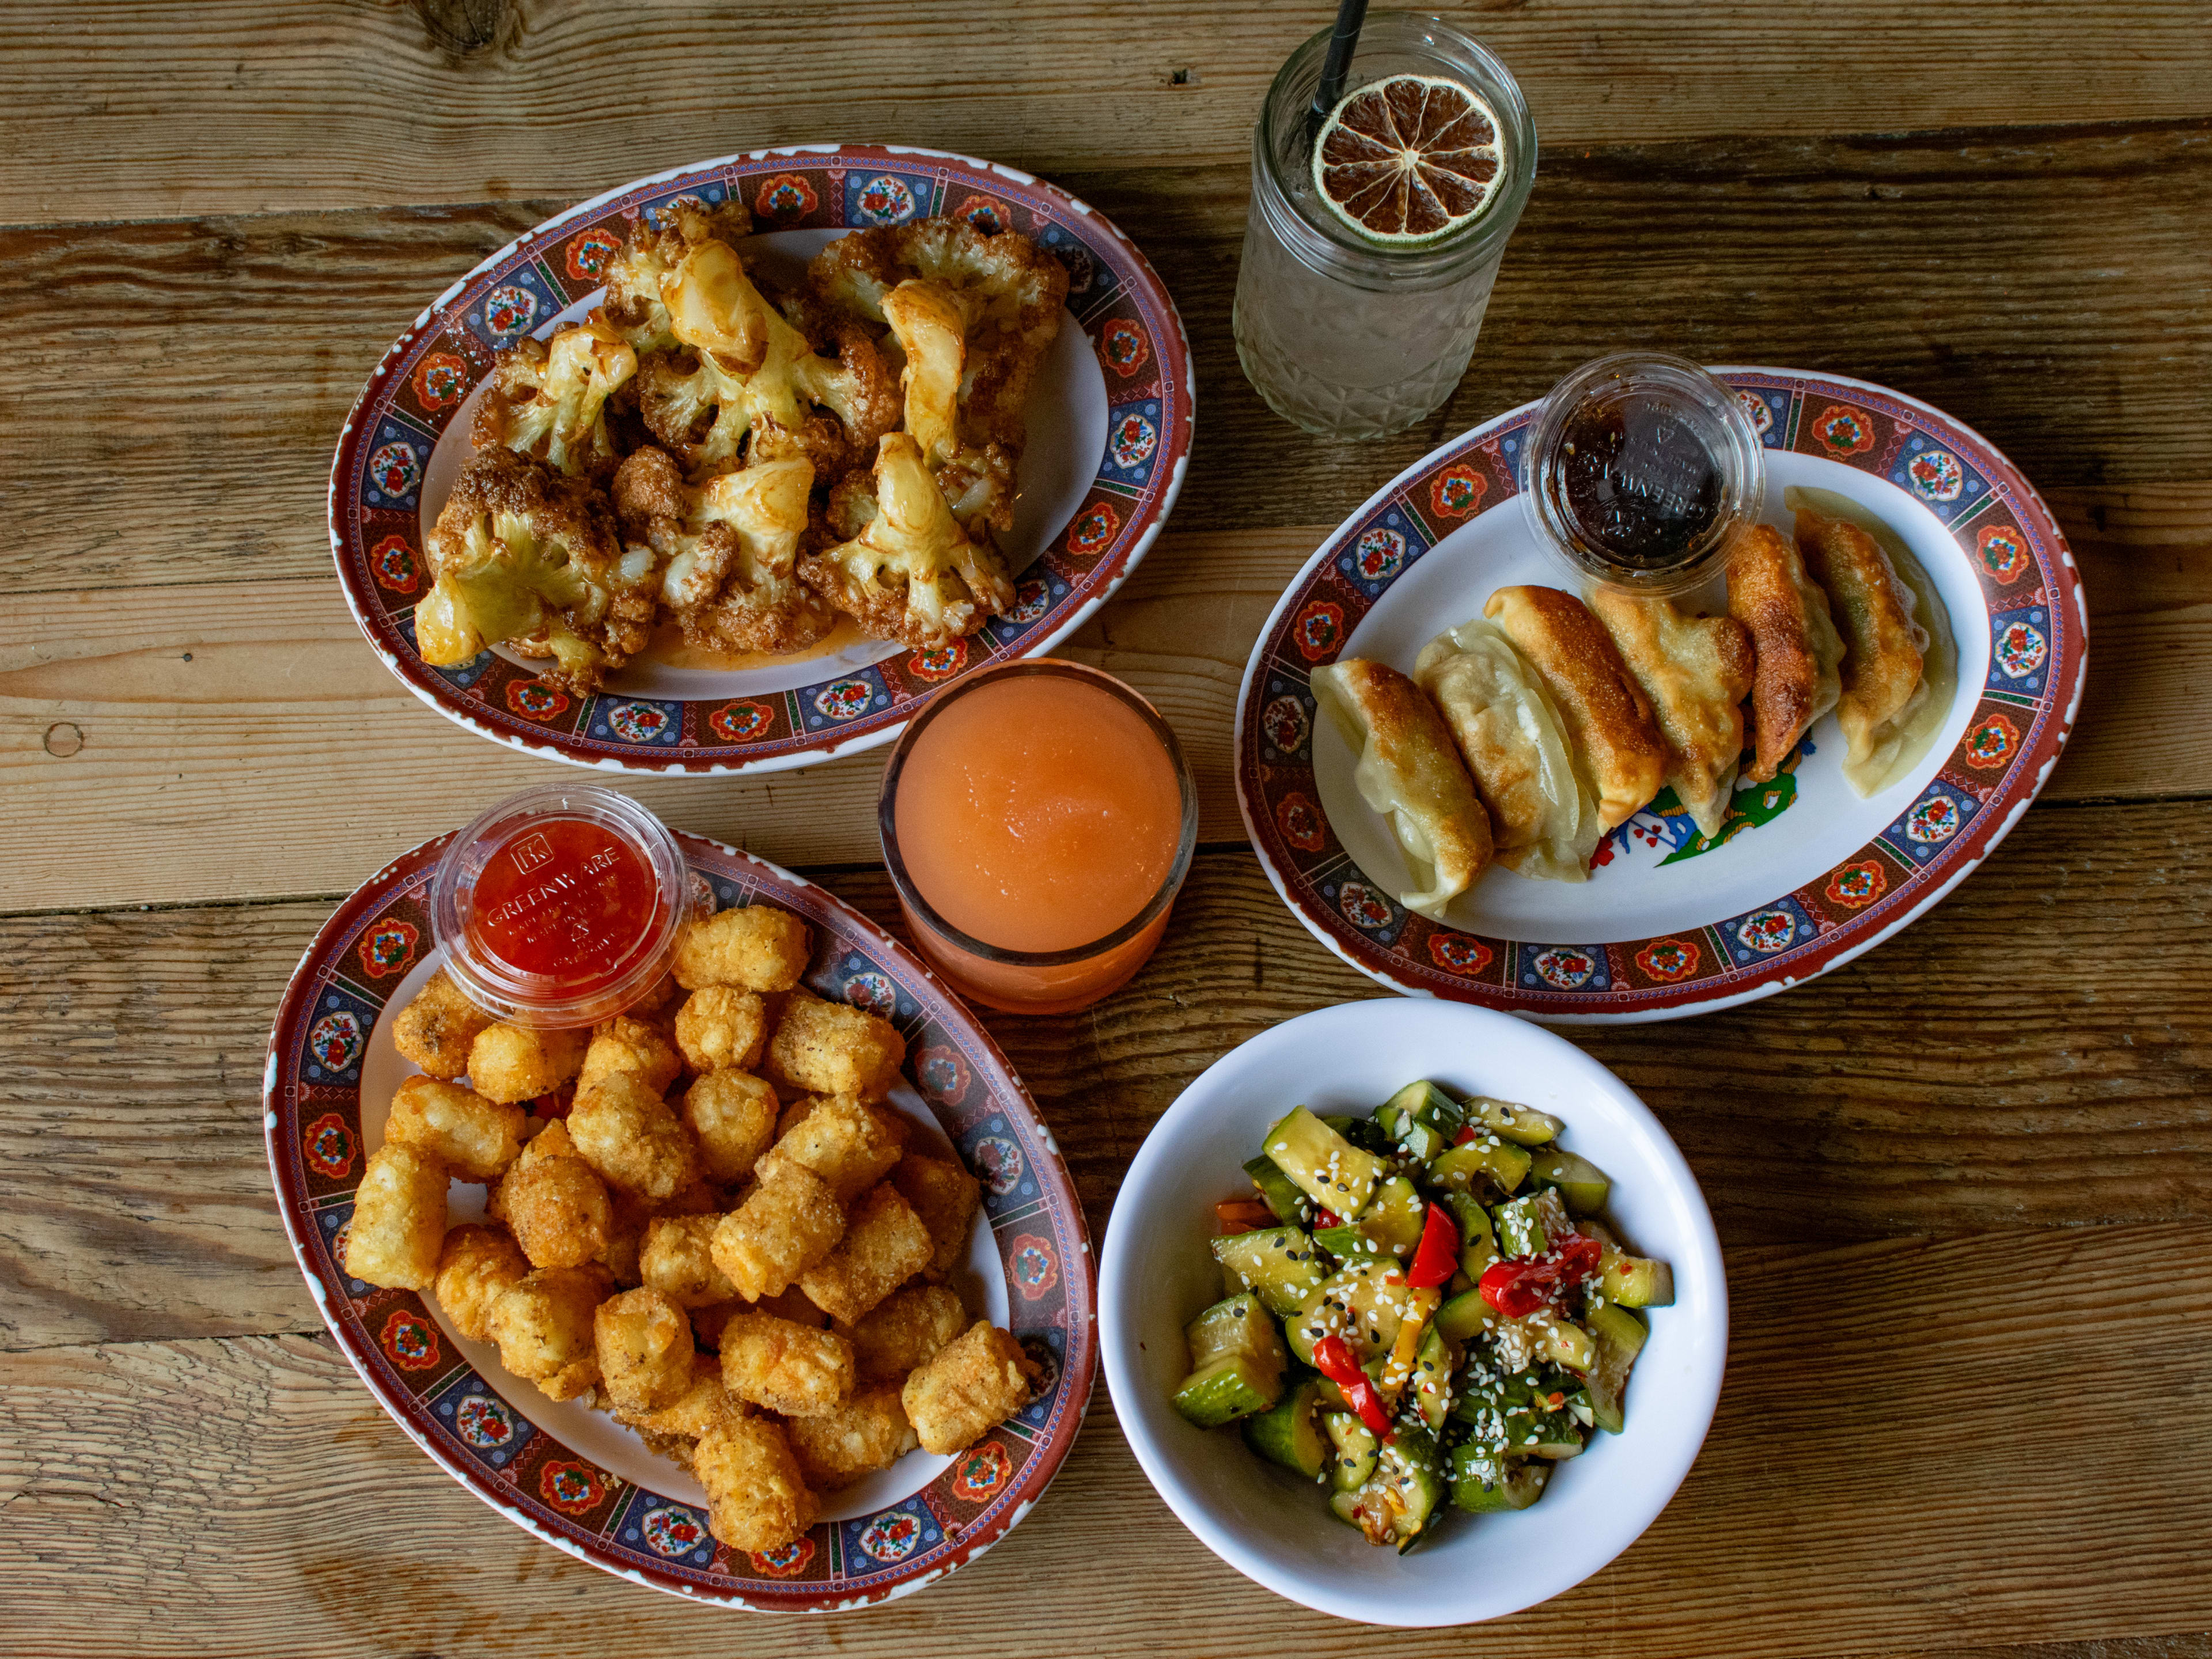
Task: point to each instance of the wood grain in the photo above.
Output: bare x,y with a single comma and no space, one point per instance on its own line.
1913,1090
1911,1414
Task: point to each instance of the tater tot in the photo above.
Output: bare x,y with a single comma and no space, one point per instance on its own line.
645,1348
907,1330
436,1028
945,1196
399,1224
629,1214
786,1366
787,1225
868,1432
795,1305
884,1244
971,1385
545,1329
672,1429
475,1137
719,1026
757,1499
508,1062
557,1206
678,1261
476,1267
758,948
831,1048
842,1141
732,1116
625,1044
707,1323
624,1130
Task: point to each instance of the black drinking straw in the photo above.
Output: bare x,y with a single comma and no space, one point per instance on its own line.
1343,41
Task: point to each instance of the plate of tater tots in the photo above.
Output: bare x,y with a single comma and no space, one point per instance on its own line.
771,1291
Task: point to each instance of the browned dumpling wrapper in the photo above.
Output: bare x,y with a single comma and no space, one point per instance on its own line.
544,1331
757,1499
867,1433
1884,678
945,1196
475,1137
842,1140
1695,672
831,1048
967,1388
555,1202
633,1137
884,1244
511,1062
786,1366
756,948
644,1341
437,1027
906,1330
719,1026
476,1267
1610,725
787,1223
1797,653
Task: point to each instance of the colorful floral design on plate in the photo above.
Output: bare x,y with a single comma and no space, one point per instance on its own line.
1047,1362
328,1146
785,197
335,1040
671,1530
2003,553
1319,630
1843,431
1761,413
1936,475
392,561
509,310
409,1340
2021,650
396,469
873,992
1032,598
1379,555
985,213
884,200
442,379
1458,491
1363,906
892,1535
844,700
1132,441
1993,742
740,722
1121,347
785,1561
979,1471
534,700
484,1422
1032,1266
1301,823
588,255
1767,931
1564,970
1094,530
1857,884
388,947
1934,820
942,1074
637,722
1081,271
939,662
570,1486
1286,725
997,1164
1671,959
1459,953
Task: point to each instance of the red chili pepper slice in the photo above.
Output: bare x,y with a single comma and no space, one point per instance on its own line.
1468,1132
1332,1360
1328,1218
1519,1285
1436,1259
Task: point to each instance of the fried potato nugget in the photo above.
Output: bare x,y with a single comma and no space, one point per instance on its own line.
478,1265
944,1195
832,1049
625,1131
867,1433
624,1044
544,1327
732,1114
971,1386
555,1202
509,1062
645,1348
786,1366
790,1222
719,1027
678,1261
757,948
436,1028
757,1499
795,1305
398,1225
884,1244
707,1323
674,1429
476,1138
629,1214
842,1141
907,1331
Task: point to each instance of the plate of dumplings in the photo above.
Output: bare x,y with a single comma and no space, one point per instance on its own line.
1473,776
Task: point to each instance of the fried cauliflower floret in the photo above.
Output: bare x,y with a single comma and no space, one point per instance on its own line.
967,1388
720,1028
728,549
754,948
633,1137
543,1327
944,1195
632,308
510,1063
732,1116
436,1027
476,1266
906,1331
842,1141
675,1429
884,1244
548,398
868,1432
555,1202
627,1044
787,1225
910,573
677,1261
833,1049
786,1366
977,479
476,1138
757,1499
399,1224
644,1341
522,554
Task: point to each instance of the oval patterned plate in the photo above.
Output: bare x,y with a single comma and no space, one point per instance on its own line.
1109,425
570,1474
1805,874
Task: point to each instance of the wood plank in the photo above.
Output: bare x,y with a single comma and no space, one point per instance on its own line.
1910,1414
132,110
1944,1083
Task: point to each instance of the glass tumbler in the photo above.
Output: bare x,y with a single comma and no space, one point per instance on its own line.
1343,336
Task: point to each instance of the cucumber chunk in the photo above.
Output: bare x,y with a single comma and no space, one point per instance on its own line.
1581,1182
1461,1168
1521,1229
1279,1192
1465,1316
1431,1380
1363,1304
1398,1501
1618,1336
1230,1386
1523,1125
1364,1133
1289,1431
1389,1227
1527,1415
1236,1326
1278,1263
1635,1281
1328,1169
1353,1448
1478,1245
1421,1118
1484,1482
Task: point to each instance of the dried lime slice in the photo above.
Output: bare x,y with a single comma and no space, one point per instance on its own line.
1408,161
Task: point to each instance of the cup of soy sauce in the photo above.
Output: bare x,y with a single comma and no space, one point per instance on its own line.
1639,471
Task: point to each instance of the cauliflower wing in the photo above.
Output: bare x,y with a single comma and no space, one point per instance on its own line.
522,553
633,306
908,572
548,398
930,322
727,549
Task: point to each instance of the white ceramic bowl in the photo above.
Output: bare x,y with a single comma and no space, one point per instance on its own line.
1157,1272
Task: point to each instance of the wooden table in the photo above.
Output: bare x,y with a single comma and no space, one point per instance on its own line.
1965,1183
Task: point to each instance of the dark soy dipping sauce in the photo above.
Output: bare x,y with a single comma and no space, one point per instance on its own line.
1642,485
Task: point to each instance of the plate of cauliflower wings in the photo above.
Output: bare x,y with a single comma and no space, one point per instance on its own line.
772,1291
730,468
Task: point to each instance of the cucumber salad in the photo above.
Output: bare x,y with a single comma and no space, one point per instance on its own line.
1420,1302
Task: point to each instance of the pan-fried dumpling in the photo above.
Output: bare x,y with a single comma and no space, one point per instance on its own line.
1695,672
1409,772
1543,818
1797,654
1616,744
